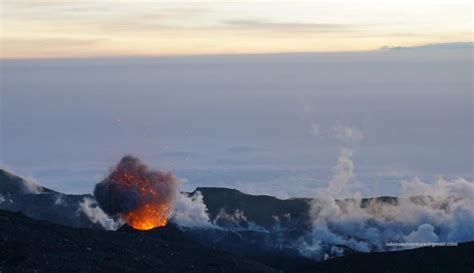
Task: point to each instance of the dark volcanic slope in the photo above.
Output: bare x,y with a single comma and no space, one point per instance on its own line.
268,211
457,259
439,259
14,185
30,246
27,245
259,209
43,203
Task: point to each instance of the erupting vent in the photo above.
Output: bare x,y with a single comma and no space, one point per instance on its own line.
147,217
141,197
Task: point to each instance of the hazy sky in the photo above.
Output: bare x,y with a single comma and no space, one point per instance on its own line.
397,75
260,123
77,28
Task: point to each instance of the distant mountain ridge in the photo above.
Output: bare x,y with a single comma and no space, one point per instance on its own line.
43,203
436,46
262,210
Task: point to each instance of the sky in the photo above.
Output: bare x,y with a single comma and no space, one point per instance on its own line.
92,28
264,96
268,124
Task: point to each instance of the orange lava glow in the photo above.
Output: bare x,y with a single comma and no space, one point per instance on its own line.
154,210
147,217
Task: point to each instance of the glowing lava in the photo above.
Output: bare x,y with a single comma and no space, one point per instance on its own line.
147,217
141,197
152,213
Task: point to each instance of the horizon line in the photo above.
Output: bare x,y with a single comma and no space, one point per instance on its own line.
460,44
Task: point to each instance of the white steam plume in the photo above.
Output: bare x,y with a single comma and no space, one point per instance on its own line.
348,135
426,213
190,211
443,213
344,170
343,173
91,209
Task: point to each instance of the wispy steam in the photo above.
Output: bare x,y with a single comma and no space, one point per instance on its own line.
440,212
92,210
190,211
348,135
315,129
425,233
31,186
344,170
444,214
235,220
343,173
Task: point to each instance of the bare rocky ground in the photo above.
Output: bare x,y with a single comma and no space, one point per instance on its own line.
27,245
62,239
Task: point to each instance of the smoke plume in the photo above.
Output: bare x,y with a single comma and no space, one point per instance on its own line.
89,207
139,196
425,213
442,212
190,211
343,173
